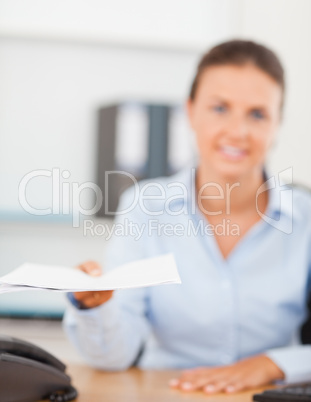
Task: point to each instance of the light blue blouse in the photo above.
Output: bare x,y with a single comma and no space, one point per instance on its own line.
252,302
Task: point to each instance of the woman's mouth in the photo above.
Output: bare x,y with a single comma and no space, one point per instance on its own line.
232,153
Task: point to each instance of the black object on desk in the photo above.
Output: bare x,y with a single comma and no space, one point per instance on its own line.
29,373
293,393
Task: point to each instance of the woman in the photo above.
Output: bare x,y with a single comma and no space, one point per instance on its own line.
243,256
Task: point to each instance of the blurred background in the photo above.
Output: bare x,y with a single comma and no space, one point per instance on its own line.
63,63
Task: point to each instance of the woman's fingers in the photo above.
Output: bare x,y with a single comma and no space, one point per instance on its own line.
192,380
248,373
91,268
236,387
94,298
217,386
209,382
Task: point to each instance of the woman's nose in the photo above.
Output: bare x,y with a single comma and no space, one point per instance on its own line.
237,127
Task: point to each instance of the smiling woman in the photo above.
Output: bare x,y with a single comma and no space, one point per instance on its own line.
235,106
235,114
234,321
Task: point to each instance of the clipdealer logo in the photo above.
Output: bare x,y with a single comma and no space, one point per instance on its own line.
66,199
285,194
65,195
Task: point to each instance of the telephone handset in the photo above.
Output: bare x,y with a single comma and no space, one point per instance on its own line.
29,373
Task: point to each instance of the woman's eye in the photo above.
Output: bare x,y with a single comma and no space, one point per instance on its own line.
257,114
219,109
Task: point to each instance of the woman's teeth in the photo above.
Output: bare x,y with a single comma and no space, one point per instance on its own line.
232,151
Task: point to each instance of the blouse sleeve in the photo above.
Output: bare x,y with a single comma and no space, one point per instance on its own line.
111,336
295,361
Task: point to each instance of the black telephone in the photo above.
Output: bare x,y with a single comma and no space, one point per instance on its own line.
29,373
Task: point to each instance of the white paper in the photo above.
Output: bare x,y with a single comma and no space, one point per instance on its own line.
148,272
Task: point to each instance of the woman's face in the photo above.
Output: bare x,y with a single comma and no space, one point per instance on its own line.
235,115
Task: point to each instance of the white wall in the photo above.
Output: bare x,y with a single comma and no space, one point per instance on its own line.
50,94
284,25
169,24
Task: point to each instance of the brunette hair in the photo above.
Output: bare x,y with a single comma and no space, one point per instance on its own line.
241,52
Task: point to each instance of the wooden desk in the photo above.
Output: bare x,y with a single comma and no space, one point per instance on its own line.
138,386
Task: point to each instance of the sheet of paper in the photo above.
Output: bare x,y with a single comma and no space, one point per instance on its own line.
148,272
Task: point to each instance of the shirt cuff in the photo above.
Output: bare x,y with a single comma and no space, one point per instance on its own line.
104,316
294,361
75,302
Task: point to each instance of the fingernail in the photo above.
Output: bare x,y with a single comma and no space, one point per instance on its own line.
187,386
209,388
230,388
173,382
95,272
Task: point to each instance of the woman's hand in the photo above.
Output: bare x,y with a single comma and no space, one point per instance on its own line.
245,374
94,298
